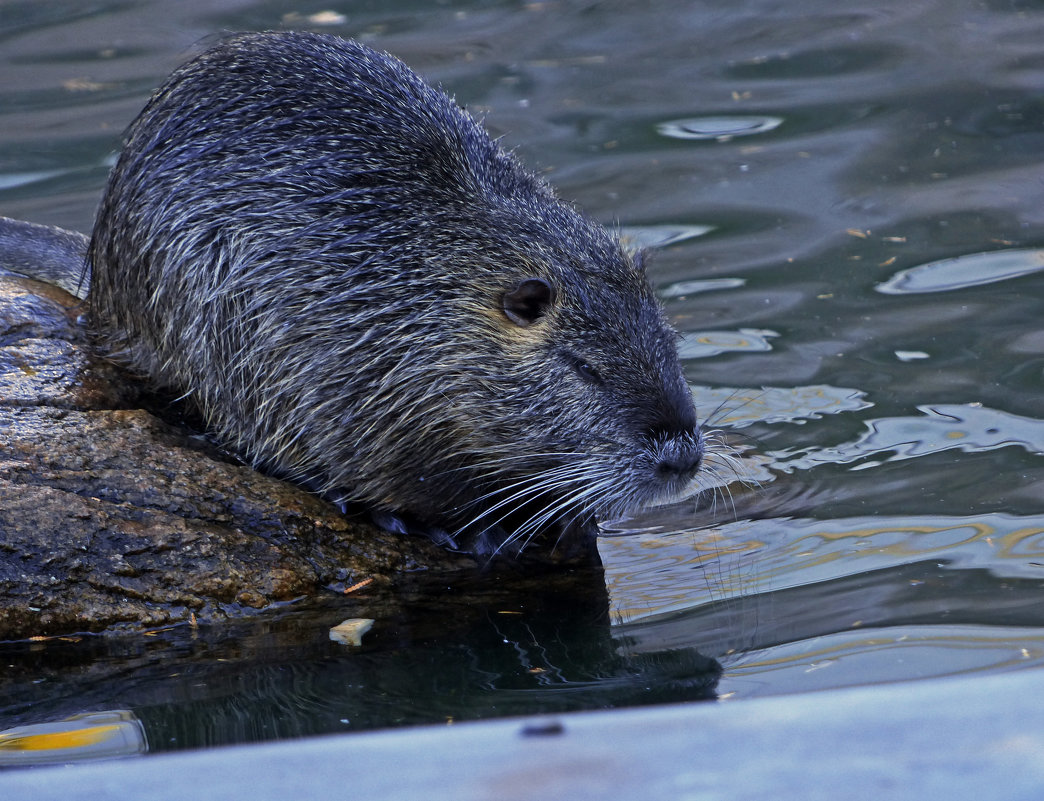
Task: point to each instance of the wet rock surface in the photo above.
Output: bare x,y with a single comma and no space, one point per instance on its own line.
112,519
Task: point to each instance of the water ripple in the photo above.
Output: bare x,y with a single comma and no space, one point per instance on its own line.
721,129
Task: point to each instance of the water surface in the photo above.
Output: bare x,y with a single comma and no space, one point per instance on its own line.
845,204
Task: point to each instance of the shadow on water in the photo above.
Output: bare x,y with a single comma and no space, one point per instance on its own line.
449,654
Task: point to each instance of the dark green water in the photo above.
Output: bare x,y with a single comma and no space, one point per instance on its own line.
857,270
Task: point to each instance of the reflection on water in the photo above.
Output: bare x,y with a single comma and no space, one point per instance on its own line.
848,215
721,129
848,658
97,735
779,599
734,408
681,289
799,552
12,180
701,344
970,428
962,272
660,236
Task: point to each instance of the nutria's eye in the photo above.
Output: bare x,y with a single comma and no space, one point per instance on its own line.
585,370
588,373
528,302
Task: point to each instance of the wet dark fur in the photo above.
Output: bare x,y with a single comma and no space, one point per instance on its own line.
329,257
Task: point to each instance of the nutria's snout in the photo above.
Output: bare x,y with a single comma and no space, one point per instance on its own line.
676,454
675,438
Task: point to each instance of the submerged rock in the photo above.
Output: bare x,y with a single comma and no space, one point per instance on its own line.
111,518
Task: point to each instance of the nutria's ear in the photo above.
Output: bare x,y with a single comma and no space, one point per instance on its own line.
528,302
638,259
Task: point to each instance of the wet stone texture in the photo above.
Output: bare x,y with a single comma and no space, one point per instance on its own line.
113,519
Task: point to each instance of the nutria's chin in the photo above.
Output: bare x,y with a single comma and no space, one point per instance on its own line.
362,292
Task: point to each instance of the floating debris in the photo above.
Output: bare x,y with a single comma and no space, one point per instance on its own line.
351,631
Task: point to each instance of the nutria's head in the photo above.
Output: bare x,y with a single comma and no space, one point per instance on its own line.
363,293
587,413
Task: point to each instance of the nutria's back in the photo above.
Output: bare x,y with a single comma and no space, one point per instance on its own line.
362,292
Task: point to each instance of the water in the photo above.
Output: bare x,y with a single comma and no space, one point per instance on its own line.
845,204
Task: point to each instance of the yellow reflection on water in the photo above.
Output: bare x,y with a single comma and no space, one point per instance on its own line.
651,574
93,735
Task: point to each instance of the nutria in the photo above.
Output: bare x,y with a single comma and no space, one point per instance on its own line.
362,292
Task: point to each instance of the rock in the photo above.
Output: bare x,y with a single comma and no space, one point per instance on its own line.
111,518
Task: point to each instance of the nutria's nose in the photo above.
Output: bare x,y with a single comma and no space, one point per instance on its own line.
677,444
680,458
672,430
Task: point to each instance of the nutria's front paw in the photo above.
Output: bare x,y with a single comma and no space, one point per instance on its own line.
403,524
